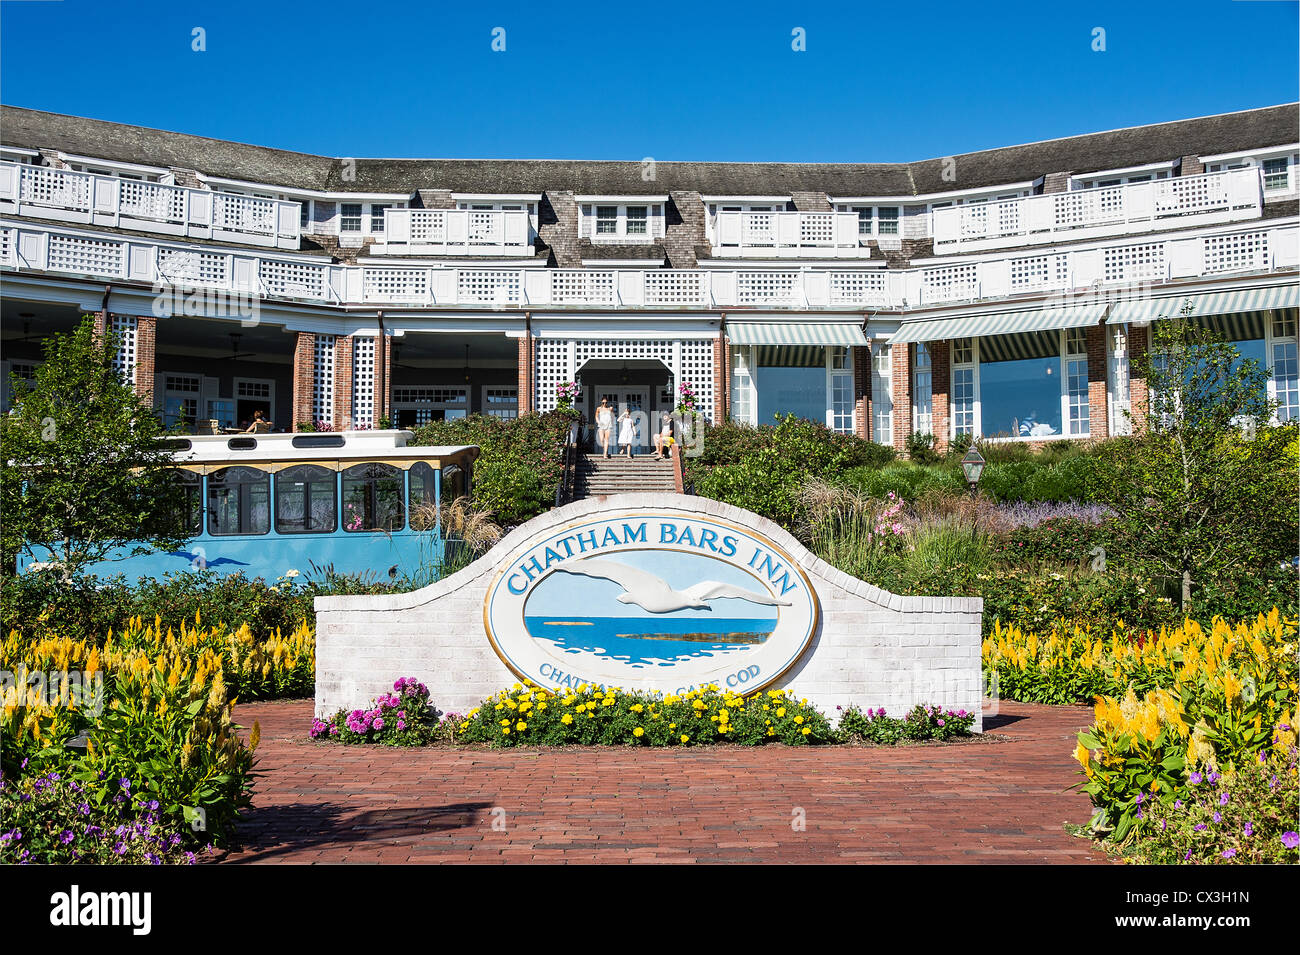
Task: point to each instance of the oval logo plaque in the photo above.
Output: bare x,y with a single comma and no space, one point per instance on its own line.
652,601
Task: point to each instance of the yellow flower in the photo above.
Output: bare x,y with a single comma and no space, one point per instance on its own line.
780,711
505,731
638,732
521,726
505,722
806,730
798,720
566,719
685,738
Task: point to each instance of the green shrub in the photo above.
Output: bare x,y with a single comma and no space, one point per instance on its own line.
907,481
922,723
520,461
920,448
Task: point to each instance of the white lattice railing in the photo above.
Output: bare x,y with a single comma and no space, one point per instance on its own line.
787,233
45,193
1112,210
38,247
463,231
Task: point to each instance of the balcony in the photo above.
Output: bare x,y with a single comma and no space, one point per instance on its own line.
43,193
31,247
1228,196
455,232
787,235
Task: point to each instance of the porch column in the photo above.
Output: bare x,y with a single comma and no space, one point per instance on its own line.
862,391
304,379
721,378
146,354
342,411
384,383
901,369
940,421
1138,342
525,374
1098,413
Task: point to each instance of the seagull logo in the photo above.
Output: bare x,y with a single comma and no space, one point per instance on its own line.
653,593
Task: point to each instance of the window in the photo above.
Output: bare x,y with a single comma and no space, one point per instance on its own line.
187,520
888,216
742,385
306,500
1076,372
304,213
377,217
1286,367
839,411
882,220
963,386
922,390
882,394
807,381
373,499
350,217
239,501
501,403
606,220
865,215
424,496
1275,174
637,218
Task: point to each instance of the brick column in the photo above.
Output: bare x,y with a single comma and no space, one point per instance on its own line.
902,374
101,325
940,408
721,382
862,391
384,386
1190,166
146,354
1098,398
1138,342
304,379
343,382
525,370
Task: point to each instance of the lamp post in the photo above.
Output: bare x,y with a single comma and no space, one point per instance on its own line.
972,466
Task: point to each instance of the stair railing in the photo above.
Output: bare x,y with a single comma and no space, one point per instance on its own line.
569,457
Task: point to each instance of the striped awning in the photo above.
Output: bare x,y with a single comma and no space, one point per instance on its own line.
999,323
1235,302
795,333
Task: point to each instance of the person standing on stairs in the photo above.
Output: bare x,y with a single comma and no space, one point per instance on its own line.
604,425
626,432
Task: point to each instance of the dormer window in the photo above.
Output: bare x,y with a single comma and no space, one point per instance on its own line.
612,222
874,220
606,220
1275,175
637,219
350,217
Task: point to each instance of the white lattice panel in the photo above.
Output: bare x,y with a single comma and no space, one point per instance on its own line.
674,287
1088,207
696,364
149,200
581,287
697,370
396,285
759,228
363,382
185,267
1039,272
1233,253
124,327
759,288
1134,263
6,246
69,253
428,226
857,288
487,286
817,228
294,279
243,213
322,401
485,228
950,283
1190,194
55,187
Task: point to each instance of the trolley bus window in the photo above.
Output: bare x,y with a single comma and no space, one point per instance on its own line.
239,501
424,504
306,500
373,498
454,484
186,518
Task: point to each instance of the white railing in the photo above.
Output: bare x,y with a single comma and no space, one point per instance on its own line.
35,247
455,231
45,193
782,234
1228,196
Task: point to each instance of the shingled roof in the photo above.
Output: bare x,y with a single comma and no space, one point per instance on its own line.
1248,129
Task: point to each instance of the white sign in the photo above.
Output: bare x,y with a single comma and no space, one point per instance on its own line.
651,600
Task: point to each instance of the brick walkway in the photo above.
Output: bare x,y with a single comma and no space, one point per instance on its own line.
1000,799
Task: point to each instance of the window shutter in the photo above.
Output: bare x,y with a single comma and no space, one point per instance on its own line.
584,222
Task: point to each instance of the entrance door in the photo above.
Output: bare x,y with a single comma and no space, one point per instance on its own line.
635,400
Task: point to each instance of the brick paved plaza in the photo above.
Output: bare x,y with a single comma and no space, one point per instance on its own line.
1000,799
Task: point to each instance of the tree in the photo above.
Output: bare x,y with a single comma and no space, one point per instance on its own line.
82,469
1206,487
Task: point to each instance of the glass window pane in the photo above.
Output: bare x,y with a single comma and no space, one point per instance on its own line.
636,220
888,216
306,500
1286,378
239,501
350,217
791,379
373,498
1020,385
882,395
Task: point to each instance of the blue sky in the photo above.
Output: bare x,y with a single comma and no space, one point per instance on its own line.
877,81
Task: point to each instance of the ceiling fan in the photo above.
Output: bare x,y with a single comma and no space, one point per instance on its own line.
234,347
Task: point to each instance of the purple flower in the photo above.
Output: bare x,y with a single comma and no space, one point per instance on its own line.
1200,826
379,722
1218,817
66,836
1195,779
1229,853
1213,777
1249,829
1178,804
1291,840
124,783
1223,799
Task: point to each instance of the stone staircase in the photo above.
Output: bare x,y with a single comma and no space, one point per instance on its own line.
598,476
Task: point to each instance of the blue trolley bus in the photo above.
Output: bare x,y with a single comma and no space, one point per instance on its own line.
267,504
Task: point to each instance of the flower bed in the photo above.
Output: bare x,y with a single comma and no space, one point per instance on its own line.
401,718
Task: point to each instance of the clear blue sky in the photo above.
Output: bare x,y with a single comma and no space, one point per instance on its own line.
625,80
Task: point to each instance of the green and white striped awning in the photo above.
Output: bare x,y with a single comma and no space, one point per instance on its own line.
1248,301
999,323
795,333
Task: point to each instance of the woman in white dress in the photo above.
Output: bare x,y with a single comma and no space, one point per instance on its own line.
626,432
604,424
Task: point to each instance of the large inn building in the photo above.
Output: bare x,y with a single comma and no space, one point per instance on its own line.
1000,293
